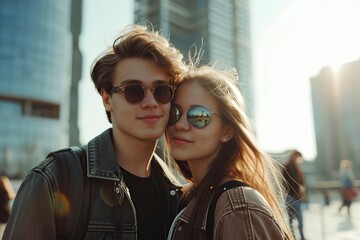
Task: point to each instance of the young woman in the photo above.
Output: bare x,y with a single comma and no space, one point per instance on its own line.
295,187
210,138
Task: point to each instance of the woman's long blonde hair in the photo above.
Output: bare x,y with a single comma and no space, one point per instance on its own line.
240,158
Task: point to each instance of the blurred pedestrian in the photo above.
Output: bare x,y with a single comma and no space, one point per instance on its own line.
348,190
6,194
295,186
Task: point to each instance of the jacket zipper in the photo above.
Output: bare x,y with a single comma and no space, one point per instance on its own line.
127,193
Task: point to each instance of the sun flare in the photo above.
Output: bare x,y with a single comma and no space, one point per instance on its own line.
310,35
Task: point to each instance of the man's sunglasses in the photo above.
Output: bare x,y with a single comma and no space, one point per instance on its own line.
197,116
135,93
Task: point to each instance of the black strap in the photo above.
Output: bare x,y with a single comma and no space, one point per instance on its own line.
81,222
211,212
73,183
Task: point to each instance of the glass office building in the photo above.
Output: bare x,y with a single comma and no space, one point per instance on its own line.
35,78
221,28
336,110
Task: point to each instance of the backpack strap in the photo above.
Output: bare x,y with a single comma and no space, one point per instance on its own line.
82,219
75,187
211,212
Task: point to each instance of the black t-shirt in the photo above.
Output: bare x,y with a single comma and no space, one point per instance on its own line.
149,210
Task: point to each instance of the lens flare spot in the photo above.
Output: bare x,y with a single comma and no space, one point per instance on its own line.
62,206
107,194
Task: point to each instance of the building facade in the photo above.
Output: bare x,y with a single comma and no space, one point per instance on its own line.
221,28
336,110
76,67
35,78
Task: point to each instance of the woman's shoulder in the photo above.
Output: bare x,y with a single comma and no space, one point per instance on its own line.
243,197
245,210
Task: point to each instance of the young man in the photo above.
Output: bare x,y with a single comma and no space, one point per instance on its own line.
126,192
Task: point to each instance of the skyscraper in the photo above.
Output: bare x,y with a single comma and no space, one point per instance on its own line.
336,109
76,21
221,28
35,75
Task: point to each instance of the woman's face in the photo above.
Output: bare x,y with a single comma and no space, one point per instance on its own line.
197,146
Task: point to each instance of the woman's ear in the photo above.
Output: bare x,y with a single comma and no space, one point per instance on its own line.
228,133
106,97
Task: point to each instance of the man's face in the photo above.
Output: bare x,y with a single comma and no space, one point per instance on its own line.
146,118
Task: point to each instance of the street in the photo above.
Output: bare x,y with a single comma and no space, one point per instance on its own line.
325,222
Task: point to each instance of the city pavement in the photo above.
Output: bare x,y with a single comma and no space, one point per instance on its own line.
324,222
321,222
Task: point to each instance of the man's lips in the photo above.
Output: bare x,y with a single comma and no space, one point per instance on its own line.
150,118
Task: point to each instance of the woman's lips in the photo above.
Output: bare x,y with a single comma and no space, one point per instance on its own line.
181,140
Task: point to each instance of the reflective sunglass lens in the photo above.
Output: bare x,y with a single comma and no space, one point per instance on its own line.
199,117
174,115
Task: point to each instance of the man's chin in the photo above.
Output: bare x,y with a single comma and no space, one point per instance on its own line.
153,137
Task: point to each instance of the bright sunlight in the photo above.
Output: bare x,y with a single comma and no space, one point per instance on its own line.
310,35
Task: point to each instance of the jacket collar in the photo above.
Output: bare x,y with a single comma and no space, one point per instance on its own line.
101,158
185,215
102,163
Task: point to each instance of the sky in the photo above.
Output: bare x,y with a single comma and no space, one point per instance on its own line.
292,40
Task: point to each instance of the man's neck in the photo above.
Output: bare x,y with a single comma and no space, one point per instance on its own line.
134,155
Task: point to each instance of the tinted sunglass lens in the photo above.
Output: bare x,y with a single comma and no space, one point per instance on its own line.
199,117
134,93
174,115
163,93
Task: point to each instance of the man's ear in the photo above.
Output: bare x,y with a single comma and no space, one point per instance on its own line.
228,133
106,99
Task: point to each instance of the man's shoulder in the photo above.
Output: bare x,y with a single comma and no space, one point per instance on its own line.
63,161
58,155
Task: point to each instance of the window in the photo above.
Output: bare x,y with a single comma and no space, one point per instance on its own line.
36,108
41,109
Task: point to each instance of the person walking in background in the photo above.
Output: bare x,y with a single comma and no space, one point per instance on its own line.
123,190
7,193
348,190
295,187
233,186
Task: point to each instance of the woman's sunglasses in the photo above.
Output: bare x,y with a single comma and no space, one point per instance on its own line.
197,116
135,93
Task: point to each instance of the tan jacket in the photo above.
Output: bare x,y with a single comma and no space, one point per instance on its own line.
241,213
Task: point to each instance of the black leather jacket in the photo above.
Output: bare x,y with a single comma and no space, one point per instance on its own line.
112,214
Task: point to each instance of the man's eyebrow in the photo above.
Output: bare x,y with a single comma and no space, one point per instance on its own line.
161,81
136,81
129,81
